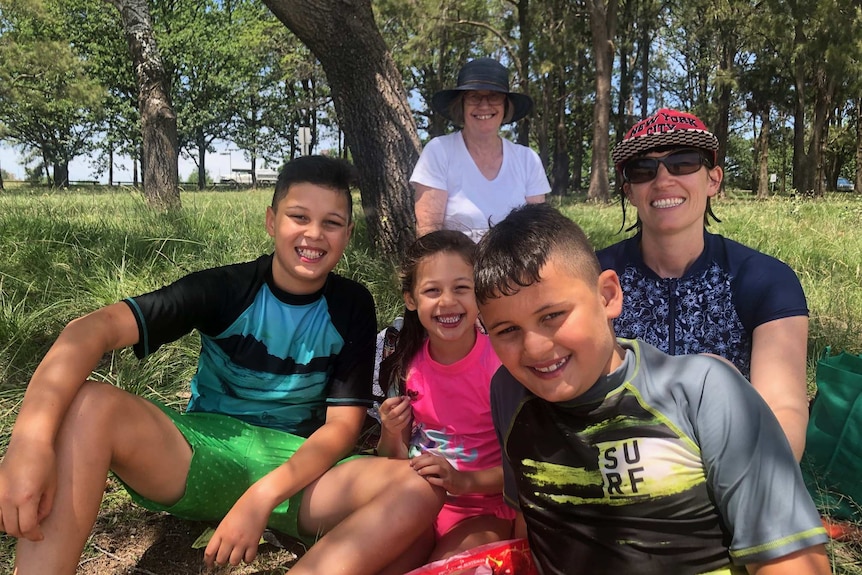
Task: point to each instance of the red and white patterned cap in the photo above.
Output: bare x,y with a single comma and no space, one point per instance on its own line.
664,128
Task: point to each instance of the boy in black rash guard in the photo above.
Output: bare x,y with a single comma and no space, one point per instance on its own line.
618,457
279,397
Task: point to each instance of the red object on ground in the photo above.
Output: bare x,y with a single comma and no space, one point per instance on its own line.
841,530
509,557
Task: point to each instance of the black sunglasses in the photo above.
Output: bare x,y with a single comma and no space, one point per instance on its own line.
684,162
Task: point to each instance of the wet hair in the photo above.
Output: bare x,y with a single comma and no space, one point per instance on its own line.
393,369
708,155
455,110
332,173
513,252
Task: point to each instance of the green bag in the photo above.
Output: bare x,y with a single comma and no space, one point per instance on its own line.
832,462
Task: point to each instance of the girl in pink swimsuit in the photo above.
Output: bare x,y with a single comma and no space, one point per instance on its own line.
438,411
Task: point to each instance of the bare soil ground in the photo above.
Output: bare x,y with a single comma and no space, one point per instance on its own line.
128,540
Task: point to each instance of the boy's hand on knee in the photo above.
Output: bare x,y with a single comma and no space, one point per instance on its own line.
28,482
238,535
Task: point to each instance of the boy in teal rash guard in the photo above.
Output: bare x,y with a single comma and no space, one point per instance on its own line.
619,457
279,397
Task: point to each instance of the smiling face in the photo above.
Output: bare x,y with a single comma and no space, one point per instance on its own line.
311,228
555,336
484,110
670,204
444,300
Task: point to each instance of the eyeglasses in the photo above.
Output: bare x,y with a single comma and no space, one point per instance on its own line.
493,98
682,163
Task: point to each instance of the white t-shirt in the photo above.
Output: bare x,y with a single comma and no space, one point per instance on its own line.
473,199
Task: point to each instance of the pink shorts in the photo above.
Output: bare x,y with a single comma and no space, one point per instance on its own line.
456,512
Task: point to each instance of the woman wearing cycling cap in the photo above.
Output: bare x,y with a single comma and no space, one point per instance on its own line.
687,290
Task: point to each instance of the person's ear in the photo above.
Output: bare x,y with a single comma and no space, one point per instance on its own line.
715,175
611,293
628,195
409,302
270,221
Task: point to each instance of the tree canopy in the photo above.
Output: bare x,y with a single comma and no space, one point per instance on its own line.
779,81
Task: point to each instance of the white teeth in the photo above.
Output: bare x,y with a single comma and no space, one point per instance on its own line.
552,367
449,319
310,253
667,203
485,117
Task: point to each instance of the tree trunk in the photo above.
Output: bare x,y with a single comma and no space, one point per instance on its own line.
542,131
61,174
371,105
625,102
763,155
437,124
560,176
524,68
160,159
136,174
721,128
201,144
602,25
857,187
578,132
644,47
800,159
819,131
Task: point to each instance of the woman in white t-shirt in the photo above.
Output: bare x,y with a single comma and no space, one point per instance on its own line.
472,178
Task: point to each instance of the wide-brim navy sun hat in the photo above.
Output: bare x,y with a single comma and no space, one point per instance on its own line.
482,74
665,128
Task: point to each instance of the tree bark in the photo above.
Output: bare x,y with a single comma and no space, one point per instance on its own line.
625,102
560,164
603,26
371,105
524,50
160,160
763,155
577,135
61,174
857,187
820,130
201,144
721,128
644,47
801,182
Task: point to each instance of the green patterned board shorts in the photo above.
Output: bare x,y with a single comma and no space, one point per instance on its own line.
228,456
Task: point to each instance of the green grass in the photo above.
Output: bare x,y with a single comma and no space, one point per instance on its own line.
65,253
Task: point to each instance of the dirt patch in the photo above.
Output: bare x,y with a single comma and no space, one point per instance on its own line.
128,540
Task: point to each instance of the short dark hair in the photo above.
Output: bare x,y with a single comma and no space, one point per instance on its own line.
333,173
513,252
